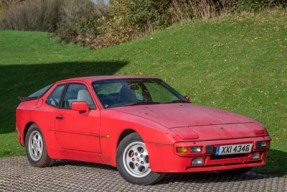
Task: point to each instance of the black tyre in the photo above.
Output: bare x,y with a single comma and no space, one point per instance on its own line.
133,161
36,148
235,171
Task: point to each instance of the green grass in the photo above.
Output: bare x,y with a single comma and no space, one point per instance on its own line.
233,63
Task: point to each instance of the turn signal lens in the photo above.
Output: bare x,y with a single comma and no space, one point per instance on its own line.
182,150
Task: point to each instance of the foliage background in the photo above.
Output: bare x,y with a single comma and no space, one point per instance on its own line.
100,24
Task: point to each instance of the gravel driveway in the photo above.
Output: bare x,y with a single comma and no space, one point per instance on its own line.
17,175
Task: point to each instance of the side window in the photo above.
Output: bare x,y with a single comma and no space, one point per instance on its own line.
108,93
55,97
77,92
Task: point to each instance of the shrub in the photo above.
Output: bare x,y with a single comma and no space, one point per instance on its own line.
32,15
258,5
188,9
130,19
70,20
134,14
79,21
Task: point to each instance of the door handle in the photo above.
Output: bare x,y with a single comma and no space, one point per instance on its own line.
59,117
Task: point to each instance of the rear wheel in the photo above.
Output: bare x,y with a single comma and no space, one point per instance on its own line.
235,171
133,161
36,148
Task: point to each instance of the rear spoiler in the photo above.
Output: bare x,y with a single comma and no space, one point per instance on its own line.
22,99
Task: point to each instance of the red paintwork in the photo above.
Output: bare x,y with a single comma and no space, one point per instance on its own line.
94,136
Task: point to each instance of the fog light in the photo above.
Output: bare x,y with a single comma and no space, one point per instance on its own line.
181,150
196,149
255,156
197,161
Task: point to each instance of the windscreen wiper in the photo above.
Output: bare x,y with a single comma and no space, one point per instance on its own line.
142,103
175,101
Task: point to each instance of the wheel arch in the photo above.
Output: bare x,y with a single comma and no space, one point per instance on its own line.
27,126
44,159
125,133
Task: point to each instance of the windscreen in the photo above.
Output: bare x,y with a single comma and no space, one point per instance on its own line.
127,92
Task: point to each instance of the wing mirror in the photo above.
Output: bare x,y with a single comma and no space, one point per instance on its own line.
80,106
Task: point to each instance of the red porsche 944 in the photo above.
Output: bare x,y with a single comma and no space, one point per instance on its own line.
140,125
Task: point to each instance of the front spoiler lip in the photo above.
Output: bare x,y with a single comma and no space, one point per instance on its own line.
224,167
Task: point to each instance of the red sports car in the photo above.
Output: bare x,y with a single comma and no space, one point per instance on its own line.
140,125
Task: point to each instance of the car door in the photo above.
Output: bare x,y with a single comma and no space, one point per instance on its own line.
75,130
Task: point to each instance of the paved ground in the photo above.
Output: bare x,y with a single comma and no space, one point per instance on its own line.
17,175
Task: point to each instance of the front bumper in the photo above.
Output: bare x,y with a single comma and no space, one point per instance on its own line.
163,158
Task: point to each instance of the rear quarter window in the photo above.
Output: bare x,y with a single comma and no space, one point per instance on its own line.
41,92
35,95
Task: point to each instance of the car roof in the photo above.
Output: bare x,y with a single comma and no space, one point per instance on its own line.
90,79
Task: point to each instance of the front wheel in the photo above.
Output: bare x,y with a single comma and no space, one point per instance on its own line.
133,161
36,148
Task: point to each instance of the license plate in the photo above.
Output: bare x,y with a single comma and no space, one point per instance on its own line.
233,149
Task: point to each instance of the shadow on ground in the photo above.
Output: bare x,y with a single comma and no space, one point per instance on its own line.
23,80
276,160
272,169
17,174
203,177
